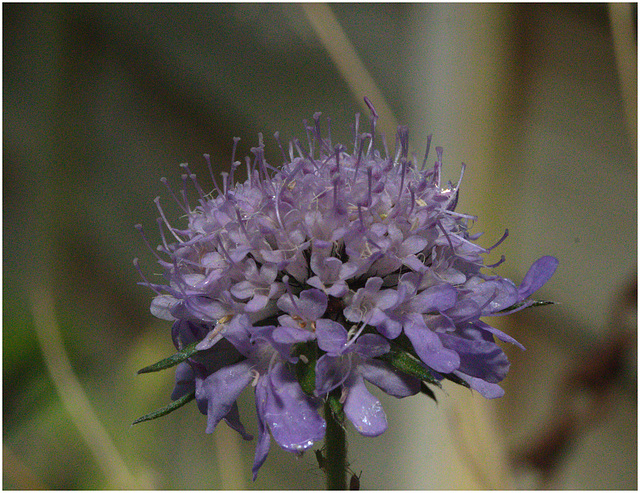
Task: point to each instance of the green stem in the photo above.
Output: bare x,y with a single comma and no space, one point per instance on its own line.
335,450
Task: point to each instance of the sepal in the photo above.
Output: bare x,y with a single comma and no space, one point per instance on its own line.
172,360
521,305
167,409
408,364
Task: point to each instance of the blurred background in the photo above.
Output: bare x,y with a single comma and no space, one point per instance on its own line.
101,101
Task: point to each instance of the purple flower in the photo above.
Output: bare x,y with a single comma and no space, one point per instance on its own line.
347,364
336,268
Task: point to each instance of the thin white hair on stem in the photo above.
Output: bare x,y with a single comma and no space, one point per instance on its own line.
73,396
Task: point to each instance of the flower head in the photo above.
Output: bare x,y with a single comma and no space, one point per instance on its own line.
304,281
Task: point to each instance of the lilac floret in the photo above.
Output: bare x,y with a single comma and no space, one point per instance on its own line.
347,364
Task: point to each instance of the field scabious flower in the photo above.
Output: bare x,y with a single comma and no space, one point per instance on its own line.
305,280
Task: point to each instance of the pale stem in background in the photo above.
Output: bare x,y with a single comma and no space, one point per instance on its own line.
624,44
344,55
229,459
73,397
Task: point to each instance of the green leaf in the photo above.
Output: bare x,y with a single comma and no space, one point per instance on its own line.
408,364
530,304
167,409
305,369
455,379
173,360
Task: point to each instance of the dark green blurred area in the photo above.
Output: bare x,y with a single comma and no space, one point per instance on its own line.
102,100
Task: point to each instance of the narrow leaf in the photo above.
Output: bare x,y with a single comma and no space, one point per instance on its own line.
173,360
523,305
167,409
406,363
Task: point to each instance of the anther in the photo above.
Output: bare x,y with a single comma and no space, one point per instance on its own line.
426,153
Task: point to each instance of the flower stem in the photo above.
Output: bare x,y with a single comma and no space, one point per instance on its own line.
335,442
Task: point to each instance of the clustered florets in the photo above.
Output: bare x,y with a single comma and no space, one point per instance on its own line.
306,280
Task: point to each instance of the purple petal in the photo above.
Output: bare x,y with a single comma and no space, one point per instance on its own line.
161,306
411,245
434,299
291,335
464,310
264,439
537,275
429,348
221,389
331,372
363,409
389,380
237,333
331,336
185,381
485,389
257,303
311,304
498,333
371,346
478,358
290,414
243,290
233,420
495,295
388,326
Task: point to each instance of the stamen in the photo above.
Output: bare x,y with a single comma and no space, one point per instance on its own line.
284,156
158,289
355,337
504,237
225,184
446,234
192,176
277,203
438,166
285,281
374,118
426,153
316,133
403,170
308,131
329,145
256,376
220,245
233,151
242,226
502,259
359,151
164,218
213,178
343,395
161,229
356,133
453,200
140,230
184,207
